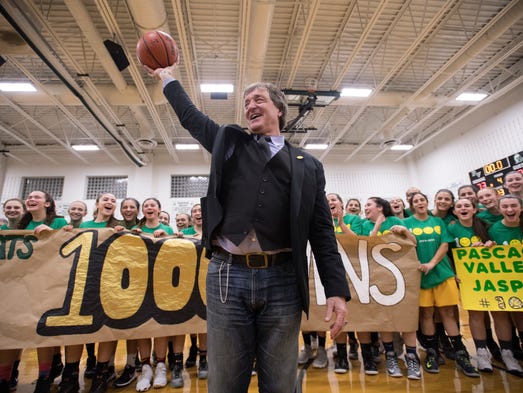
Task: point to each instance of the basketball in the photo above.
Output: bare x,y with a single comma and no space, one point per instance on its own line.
156,49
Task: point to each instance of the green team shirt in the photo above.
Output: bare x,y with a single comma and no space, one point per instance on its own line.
367,226
353,223
146,229
463,236
489,218
4,227
504,235
430,234
94,224
189,231
57,223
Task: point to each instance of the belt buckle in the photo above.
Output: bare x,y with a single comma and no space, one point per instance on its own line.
257,260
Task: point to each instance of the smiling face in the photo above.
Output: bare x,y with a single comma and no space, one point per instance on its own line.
164,218
77,210
469,193
129,210
151,209
13,209
261,113
182,221
464,210
511,210
397,205
334,203
420,204
372,210
36,203
443,201
514,183
105,206
488,197
196,215
353,207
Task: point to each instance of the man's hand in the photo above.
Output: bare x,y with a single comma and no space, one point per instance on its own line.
336,305
161,73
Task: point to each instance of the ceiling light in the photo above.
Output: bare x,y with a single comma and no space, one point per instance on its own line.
85,147
187,146
355,92
17,86
401,147
316,146
216,88
471,97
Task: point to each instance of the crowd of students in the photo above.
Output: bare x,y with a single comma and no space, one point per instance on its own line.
38,213
474,219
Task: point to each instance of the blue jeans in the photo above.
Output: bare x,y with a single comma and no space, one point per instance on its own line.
252,314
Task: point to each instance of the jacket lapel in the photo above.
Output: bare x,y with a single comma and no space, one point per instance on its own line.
297,170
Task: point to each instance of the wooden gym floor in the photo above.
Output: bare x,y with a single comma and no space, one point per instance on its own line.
312,380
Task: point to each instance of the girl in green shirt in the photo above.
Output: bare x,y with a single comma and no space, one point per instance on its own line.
438,285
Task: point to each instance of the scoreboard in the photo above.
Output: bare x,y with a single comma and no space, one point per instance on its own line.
492,174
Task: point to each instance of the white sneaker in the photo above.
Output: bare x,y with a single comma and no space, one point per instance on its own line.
321,360
483,357
510,362
305,355
144,382
160,375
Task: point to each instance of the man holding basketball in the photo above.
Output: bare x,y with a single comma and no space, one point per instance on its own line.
265,201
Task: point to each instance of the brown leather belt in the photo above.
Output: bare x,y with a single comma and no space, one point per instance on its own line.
255,260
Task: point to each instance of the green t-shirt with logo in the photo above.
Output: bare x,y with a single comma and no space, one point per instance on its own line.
504,235
430,234
463,236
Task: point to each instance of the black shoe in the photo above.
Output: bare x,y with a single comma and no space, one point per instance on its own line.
342,365
4,386
111,373
353,349
90,367
56,367
69,383
430,364
463,363
43,385
203,369
13,381
369,366
128,375
100,382
191,359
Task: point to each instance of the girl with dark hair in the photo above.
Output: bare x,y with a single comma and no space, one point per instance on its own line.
105,207
353,207
41,216
443,205
470,231
398,207
14,209
380,221
509,230
150,224
129,209
439,289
